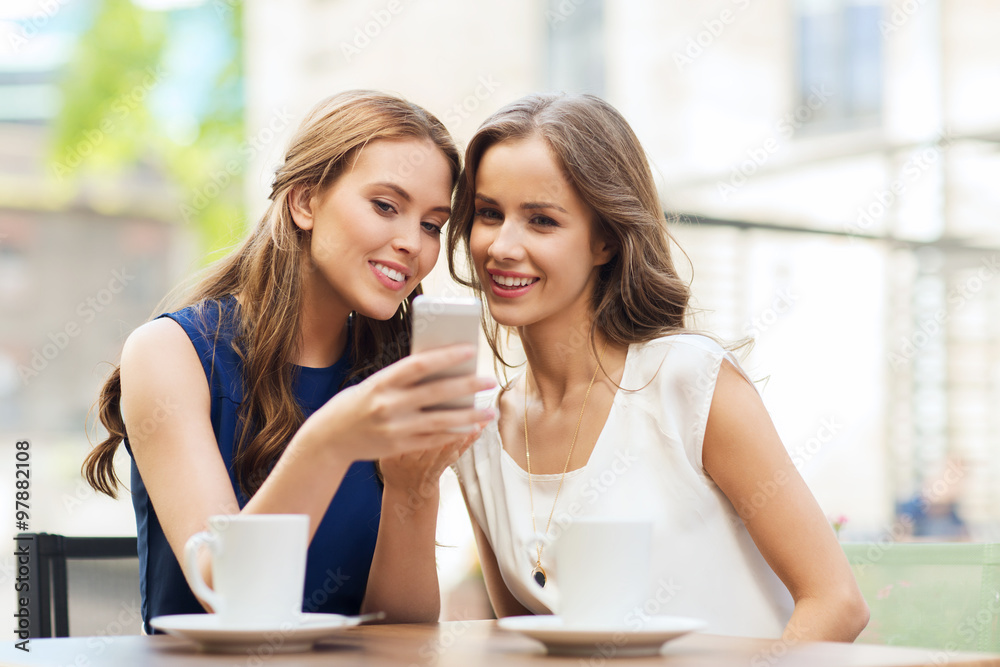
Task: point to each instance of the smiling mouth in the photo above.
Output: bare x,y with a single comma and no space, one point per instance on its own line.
391,274
512,283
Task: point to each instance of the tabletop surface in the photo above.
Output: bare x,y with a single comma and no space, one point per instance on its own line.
465,643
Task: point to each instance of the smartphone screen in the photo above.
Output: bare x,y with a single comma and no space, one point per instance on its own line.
439,322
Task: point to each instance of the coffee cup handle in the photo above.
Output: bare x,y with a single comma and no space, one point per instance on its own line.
198,585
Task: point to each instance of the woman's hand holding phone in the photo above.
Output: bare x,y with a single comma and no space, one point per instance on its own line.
418,473
389,412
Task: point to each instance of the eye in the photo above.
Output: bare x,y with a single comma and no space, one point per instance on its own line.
383,207
544,221
488,214
432,228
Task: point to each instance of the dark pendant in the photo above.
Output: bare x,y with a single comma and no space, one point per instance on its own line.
538,574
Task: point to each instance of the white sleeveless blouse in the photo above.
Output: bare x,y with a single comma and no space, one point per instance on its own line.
646,464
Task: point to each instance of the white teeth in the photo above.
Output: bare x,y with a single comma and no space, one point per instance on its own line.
510,281
391,273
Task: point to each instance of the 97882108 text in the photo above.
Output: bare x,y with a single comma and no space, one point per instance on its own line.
22,509
22,484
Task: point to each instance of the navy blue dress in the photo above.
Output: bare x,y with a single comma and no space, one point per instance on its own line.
340,554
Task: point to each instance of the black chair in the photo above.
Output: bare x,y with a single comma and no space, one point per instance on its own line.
102,573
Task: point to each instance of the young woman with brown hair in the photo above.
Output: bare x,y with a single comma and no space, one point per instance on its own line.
281,377
621,411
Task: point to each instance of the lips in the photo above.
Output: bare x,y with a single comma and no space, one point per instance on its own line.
508,284
393,276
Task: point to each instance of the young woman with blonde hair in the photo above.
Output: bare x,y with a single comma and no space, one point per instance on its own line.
280,377
621,411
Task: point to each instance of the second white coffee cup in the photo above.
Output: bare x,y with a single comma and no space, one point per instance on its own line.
602,570
258,567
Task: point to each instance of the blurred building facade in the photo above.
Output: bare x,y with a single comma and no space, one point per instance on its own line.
81,262
831,160
876,127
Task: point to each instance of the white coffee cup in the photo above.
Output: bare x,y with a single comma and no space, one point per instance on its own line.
258,567
602,571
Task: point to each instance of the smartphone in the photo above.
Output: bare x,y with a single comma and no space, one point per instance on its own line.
439,322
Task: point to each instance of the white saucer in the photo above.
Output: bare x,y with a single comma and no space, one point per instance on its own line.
215,637
629,640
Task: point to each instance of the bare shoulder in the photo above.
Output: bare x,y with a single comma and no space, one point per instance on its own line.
740,437
734,379
160,354
156,335
736,405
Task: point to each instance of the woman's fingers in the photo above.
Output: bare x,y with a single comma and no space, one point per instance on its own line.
416,367
431,442
437,457
444,390
385,415
413,373
438,428
450,452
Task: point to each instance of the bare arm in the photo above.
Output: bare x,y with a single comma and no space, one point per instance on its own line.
743,454
403,581
166,407
503,601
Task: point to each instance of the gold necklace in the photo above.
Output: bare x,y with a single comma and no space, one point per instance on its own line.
538,572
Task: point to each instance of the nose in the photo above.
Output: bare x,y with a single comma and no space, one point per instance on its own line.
507,242
408,238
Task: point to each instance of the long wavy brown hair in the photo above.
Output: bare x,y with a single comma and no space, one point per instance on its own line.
638,295
266,269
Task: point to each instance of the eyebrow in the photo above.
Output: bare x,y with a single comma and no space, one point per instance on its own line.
406,196
528,206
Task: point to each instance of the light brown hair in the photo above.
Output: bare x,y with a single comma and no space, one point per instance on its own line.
266,271
638,295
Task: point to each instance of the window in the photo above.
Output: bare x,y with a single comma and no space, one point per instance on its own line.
576,46
839,46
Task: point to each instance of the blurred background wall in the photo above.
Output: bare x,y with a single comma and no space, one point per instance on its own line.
832,164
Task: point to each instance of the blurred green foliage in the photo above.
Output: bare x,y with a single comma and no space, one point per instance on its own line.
107,126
